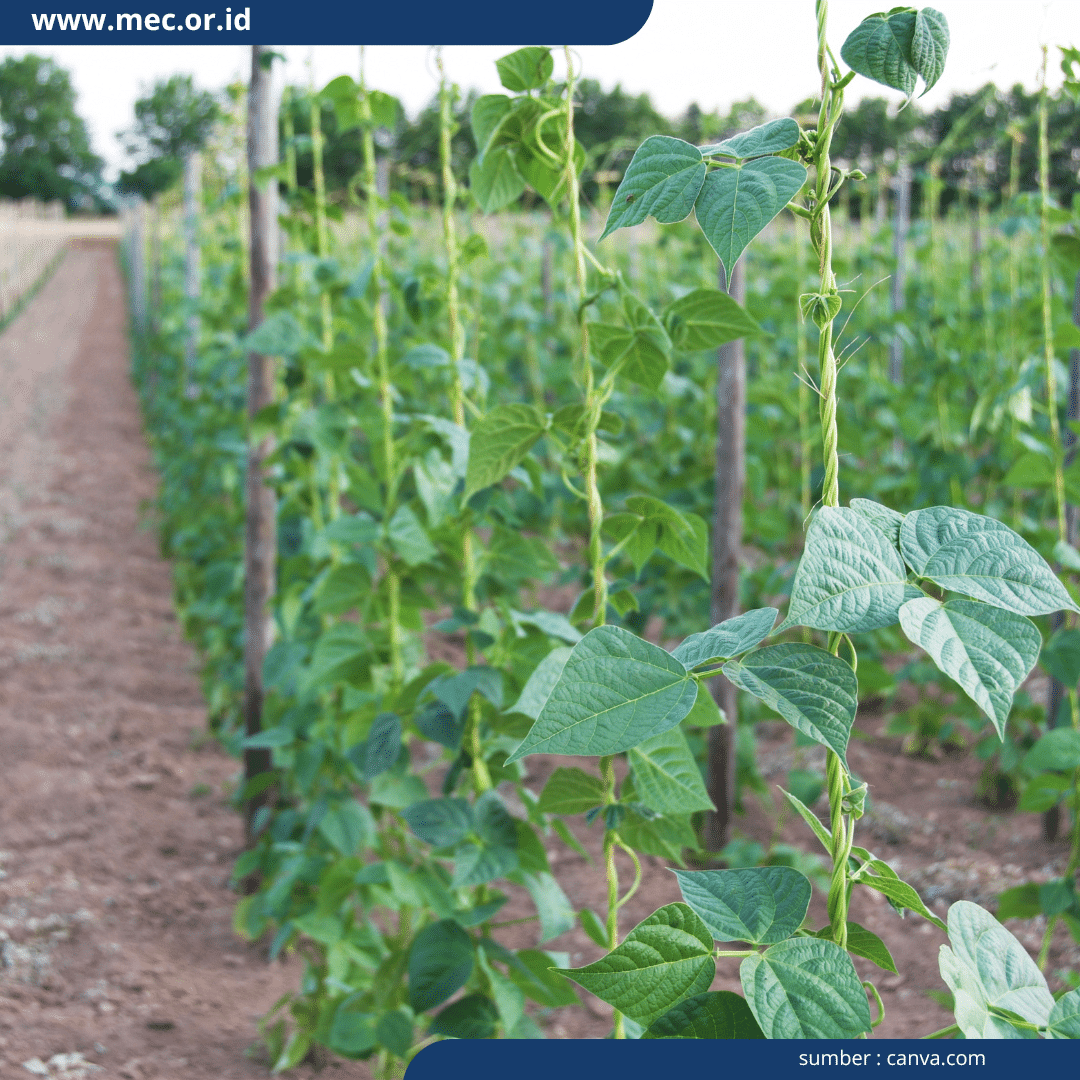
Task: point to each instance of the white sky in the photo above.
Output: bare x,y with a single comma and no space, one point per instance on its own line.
713,52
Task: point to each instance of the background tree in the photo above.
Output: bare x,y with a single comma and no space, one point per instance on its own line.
174,119
46,147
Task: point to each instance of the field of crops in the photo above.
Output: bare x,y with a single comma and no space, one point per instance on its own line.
454,500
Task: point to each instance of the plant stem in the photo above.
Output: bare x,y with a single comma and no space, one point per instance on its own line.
832,106
382,370
593,399
611,839
1047,310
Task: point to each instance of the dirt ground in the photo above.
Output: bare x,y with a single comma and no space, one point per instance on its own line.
116,948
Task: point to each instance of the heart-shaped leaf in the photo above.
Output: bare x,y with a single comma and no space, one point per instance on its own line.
525,69
759,904
615,691
814,691
981,557
440,963
736,203
439,822
719,1014
499,443
495,180
666,776
706,319
988,651
772,137
805,988
664,959
880,49
727,639
571,791
663,179
850,577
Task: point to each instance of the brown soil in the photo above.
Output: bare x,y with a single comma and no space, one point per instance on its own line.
117,837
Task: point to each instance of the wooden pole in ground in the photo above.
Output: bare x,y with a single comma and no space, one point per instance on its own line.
727,543
260,538
192,265
902,223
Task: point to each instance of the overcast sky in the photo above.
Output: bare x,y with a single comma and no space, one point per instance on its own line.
713,52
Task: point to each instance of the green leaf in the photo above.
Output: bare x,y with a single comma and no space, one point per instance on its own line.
338,653
534,972
640,350
736,203
551,903
499,443
552,623
988,651
980,557
439,822
615,691
900,894
1058,749
887,520
525,69
408,538
1030,470
1065,1017
929,46
488,114
718,1014
880,49
540,683
864,943
383,745
666,776
1043,791
705,713
772,137
987,967
440,963
850,577
348,826
805,988
571,791
477,864
663,179
811,819
815,692
495,180
665,837
682,536
707,318
1021,902
394,1030
662,960
593,927
508,998
471,1017
760,904
726,639
1061,656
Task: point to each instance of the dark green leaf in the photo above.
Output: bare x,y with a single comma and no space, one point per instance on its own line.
472,1017
666,776
726,639
440,963
439,822
718,1014
525,69
707,318
383,745
499,443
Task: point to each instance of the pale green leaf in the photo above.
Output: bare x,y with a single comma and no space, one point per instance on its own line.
499,442
682,536
615,691
488,114
663,179
554,909
495,180
707,318
988,651
541,682
886,519
718,1014
1057,749
666,776
983,558
439,822
986,966
1065,1017
705,713
815,692
726,639
525,69
571,791
408,538
477,864
850,577
759,904
664,959
736,203
772,137
805,988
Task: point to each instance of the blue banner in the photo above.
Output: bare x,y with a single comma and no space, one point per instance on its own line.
569,1059
321,22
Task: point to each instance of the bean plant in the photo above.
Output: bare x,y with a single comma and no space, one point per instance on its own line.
961,586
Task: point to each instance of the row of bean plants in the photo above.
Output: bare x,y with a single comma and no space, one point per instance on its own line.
456,427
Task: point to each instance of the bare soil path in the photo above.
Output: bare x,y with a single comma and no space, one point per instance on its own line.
116,840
